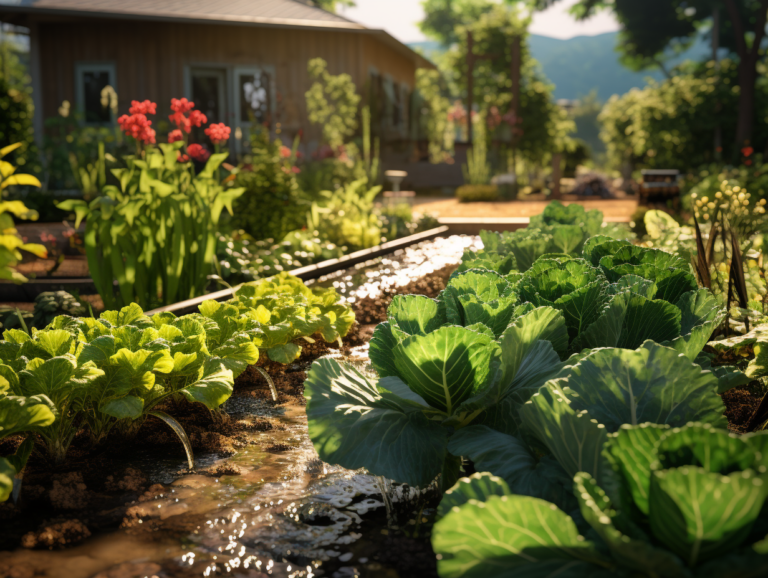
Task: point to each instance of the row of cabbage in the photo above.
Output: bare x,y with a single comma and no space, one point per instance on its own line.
111,373
579,385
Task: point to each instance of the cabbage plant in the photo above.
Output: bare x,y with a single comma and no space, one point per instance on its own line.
567,421
673,502
433,380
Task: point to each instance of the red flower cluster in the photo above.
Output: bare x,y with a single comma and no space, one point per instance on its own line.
218,133
747,152
183,122
137,125
198,152
175,135
285,152
146,107
182,158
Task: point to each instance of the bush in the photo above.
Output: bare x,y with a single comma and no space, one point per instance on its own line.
271,206
477,193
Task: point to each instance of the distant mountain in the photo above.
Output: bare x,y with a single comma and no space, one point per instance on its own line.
584,63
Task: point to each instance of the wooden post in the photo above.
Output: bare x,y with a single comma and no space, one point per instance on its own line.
557,170
515,77
470,83
715,47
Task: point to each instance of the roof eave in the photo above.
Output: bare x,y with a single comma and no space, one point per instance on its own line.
125,15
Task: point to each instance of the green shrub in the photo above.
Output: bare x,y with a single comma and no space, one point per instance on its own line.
477,193
271,205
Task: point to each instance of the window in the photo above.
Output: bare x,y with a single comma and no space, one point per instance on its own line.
209,92
255,94
90,82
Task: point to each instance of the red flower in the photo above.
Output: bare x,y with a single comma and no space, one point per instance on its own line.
747,151
285,152
181,105
137,126
175,135
181,120
146,107
748,162
295,170
218,133
197,118
198,152
182,158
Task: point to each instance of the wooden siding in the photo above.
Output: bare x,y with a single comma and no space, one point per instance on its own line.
150,59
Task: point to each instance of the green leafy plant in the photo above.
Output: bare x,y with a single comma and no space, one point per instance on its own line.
672,502
19,415
51,304
477,170
272,204
46,365
332,102
10,242
433,380
346,216
155,233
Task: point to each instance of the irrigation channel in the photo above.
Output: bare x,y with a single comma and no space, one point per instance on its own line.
259,502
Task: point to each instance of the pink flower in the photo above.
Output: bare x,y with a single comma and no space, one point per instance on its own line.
295,170
198,152
175,135
218,133
285,152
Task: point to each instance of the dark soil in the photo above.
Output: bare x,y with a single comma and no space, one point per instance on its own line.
374,310
740,406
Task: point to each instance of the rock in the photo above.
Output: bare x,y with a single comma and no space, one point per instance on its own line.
56,535
69,492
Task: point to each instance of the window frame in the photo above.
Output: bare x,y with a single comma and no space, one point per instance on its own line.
83,67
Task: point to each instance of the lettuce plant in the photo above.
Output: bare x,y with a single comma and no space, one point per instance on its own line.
433,380
19,415
279,310
674,502
569,419
46,365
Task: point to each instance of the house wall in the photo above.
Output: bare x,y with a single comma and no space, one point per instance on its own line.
150,59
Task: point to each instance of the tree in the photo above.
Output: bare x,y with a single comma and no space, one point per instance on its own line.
16,108
441,17
541,126
651,28
332,102
330,5
670,123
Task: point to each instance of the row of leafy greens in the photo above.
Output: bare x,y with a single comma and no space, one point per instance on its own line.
476,355
558,230
114,371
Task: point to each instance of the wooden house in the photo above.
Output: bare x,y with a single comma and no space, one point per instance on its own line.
236,59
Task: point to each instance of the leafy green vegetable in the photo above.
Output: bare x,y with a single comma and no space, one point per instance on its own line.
676,502
433,381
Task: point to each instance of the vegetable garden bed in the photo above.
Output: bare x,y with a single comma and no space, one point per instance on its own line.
562,363
104,509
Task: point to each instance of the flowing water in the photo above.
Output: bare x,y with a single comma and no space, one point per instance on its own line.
286,514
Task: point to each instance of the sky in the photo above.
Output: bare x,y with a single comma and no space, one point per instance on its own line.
400,17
